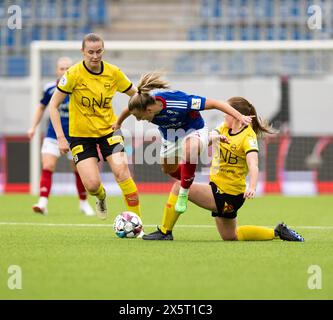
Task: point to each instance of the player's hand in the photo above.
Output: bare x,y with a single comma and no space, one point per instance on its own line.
31,133
214,136
246,120
63,145
116,126
224,139
250,193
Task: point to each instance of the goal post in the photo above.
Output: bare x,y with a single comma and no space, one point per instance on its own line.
143,51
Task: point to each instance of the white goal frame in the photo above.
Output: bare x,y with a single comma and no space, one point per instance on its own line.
37,47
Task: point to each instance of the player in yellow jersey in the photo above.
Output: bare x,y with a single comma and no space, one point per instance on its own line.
91,84
235,157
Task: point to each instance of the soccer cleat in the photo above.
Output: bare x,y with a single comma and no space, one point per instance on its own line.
39,209
141,234
286,233
181,204
158,235
86,208
101,209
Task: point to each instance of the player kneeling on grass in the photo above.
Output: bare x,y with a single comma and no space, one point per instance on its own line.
235,156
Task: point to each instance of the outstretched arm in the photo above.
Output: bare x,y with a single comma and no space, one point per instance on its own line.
227,108
252,163
57,98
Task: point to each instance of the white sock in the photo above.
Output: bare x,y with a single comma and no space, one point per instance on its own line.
183,191
42,202
83,202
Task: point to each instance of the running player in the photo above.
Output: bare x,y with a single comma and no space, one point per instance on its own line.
91,84
50,149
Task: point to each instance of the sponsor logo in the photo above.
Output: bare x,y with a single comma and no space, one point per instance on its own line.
253,143
228,208
172,112
63,80
196,104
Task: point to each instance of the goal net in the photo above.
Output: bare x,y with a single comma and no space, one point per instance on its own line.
289,82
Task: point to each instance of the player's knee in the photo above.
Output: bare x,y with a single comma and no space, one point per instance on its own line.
92,185
121,174
229,236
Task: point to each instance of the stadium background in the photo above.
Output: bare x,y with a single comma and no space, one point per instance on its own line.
292,89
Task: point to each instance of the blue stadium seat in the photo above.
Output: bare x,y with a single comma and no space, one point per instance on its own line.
230,32
219,33
10,39
295,8
269,8
3,12
36,33
17,66
296,33
217,11
97,11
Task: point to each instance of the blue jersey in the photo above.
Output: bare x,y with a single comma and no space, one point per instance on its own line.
180,114
63,110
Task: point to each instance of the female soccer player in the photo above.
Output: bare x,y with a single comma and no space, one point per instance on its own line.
184,134
50,149
235,157
91,84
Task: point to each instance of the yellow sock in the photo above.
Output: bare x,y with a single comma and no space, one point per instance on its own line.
170,215
255,233
130,192
100,193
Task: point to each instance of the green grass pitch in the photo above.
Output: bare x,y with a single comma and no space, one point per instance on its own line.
66,255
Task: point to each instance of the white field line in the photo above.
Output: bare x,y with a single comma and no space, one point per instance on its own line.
90,225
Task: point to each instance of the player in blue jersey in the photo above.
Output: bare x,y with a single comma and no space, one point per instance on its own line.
50,150
183,130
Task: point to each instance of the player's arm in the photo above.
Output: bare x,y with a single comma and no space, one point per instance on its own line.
125,113
252,163
36,120
57,98
227,108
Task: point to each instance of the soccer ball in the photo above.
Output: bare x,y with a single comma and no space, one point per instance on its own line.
127,225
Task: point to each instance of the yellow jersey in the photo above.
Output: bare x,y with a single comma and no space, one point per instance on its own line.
90,104
229,168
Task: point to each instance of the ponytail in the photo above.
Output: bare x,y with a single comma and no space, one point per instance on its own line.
148,82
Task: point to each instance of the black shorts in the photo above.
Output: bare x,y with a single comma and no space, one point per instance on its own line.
84,148
227,204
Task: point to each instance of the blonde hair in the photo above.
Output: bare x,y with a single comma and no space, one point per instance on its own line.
148,82
243,106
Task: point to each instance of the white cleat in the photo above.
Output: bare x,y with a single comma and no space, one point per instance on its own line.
86,208
39,209
101,209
